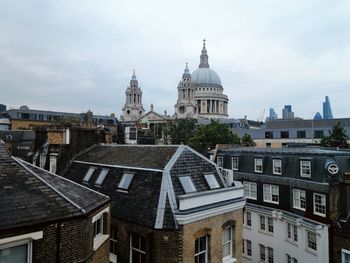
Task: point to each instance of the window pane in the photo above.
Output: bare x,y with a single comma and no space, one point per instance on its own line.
227,234
187,184
88,174
211,180
125,181
17,254
226,249
101,177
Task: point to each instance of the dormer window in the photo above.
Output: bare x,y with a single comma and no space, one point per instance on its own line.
258,165
235,163
187,184
89,174
305,168
277,166
101,177
125,181
220,161
211,181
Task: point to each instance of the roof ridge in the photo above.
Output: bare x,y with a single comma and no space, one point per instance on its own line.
47,184
65,179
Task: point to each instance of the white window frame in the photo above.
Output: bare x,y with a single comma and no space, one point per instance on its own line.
138,250
277,166
307,240
248,219
88,174
262,253
220,161
20,243
292,232
304,167
299,198
100,238
343,253
270,192
211,181
203,251
227,243
266,224
235,163
250,190
258,165
270,256
318,206
249,248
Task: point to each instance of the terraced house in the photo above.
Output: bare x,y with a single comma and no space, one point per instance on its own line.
169,203
297,202
47,218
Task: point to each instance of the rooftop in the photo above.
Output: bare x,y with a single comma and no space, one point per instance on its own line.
30,195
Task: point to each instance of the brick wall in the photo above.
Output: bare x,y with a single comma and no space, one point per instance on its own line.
55,136
212,226
73,238
161,245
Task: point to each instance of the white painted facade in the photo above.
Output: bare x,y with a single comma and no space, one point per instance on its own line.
278,240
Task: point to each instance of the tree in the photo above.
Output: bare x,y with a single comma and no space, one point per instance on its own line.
247,141
180,131
336,138
207,136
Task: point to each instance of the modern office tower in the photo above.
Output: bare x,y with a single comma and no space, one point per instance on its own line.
327,111
273,114
287,112
318,116
2,107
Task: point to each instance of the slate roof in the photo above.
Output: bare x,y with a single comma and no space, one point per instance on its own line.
153,193
30,196
152,157
320,158
139,204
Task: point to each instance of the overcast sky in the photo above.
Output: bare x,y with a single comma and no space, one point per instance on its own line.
76,55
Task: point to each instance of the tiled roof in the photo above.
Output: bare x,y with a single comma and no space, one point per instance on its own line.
30,196
152,157
138,204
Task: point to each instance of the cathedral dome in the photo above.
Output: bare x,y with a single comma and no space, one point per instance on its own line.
206,76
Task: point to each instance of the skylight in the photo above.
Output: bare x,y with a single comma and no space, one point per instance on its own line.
101,176
88,174
187,184
125,181
211,180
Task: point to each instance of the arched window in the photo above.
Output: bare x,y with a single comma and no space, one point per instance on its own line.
228,241
201,249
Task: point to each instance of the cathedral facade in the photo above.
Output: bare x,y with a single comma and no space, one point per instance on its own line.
200,94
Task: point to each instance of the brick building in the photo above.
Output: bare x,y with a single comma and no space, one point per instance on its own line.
47,218
297,202
168,203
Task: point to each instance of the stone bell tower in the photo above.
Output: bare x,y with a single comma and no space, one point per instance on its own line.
133,108
185,106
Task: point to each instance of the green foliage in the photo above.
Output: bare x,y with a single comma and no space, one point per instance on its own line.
336,138
180,131
247,141
206,137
